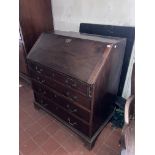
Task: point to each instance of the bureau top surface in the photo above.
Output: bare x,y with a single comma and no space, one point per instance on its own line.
71,55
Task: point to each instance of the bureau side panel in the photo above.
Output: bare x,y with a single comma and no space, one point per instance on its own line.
116,62
106,86
100,107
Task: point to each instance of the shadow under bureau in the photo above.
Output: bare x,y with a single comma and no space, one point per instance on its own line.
74,77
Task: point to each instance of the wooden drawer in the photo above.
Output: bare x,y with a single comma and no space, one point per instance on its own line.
63,114
50,93
70,82
69,93
40,100
70,107
70,120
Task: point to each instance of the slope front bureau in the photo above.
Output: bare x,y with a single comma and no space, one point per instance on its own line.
72,76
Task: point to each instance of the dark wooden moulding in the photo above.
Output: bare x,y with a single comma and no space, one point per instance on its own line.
75,78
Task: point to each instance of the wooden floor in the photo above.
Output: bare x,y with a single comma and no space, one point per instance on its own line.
41,134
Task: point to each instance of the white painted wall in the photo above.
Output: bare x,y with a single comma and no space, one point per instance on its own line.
68,14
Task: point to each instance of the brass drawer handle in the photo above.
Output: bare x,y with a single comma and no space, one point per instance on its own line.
44,92
38,70
40,90
53,75
66,81
67,93
68,106
40,80
74,85
43,81
41,101
74,98
72,124
43,104
74,110
56,108
71,110
70,84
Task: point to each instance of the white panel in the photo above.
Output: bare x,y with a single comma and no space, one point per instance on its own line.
127,85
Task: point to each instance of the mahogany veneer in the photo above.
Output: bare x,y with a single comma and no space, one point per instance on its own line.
72,76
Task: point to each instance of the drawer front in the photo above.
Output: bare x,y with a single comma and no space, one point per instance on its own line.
38,69
40,100
49,93
69,93
61,113
62,78
70,120
70,107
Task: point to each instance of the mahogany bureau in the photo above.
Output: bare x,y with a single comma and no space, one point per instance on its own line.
72,75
